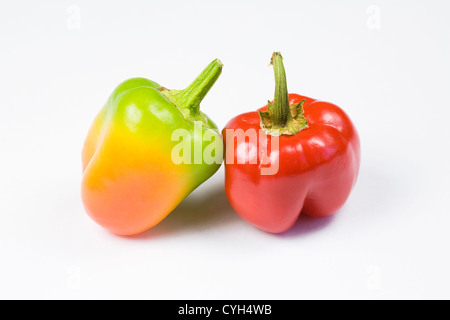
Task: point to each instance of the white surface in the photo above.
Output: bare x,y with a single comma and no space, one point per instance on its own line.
392,75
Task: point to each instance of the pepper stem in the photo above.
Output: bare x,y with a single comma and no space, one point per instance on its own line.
281,110
280,117
188,100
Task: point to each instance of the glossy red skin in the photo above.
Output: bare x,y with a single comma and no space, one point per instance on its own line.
318,168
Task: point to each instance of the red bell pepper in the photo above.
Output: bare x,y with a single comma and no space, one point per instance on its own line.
317,159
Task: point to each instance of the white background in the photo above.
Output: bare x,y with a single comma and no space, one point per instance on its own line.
386,63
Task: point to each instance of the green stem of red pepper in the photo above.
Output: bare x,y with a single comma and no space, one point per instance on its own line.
281,110
280,117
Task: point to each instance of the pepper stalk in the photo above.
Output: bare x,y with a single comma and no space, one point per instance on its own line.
280,117
188,100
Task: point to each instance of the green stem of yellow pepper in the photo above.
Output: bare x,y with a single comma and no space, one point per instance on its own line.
188,100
